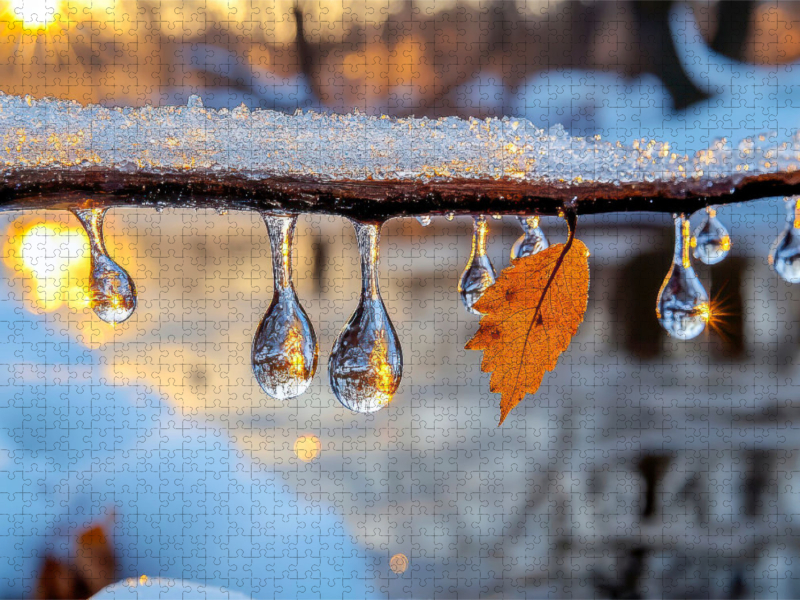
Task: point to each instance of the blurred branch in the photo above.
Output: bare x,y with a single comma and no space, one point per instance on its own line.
659,54
733,25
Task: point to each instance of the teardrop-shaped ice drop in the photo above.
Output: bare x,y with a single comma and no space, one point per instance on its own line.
285,346
366,361
683,308
532,241
785,255
711,241
479,272
111,290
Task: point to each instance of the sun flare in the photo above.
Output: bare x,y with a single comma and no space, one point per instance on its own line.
55,258
35,14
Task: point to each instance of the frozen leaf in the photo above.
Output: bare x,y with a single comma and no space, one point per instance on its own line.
530,316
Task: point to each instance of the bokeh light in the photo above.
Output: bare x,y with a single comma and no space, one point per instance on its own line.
398,563
307,447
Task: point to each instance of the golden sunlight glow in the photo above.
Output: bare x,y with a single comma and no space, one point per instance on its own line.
797,214
35,14
293,352
307,447
383,380
398,563
56,257
705,311
718,313
687,236
479,241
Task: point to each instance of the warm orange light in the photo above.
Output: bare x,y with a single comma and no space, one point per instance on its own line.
717,313
307,447
383,378
36,15
398,563
56,258
687,241
293,349
705,311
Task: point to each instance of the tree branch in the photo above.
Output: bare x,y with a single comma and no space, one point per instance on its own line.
60,154
46,188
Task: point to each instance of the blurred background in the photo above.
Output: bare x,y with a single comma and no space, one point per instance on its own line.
643,467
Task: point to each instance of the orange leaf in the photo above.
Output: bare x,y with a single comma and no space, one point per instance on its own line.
527,323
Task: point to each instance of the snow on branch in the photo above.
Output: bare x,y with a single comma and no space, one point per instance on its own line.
56,153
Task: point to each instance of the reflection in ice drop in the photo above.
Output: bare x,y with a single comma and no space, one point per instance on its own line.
785,256
479,272
711,241
366,361
532,240
112,293
682,308
285,347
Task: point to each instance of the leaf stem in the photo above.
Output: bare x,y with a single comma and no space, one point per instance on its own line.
572,222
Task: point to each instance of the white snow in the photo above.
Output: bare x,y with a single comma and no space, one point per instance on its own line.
260,144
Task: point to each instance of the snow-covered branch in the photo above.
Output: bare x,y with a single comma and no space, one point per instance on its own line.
57,153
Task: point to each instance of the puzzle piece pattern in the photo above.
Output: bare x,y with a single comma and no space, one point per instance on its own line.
643,466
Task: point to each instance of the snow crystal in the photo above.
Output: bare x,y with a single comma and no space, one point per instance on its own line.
262,144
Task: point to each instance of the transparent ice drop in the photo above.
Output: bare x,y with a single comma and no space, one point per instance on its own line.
711,241
532,240
112,293
479,272
683,308
785,256
424,220
285,349
366,361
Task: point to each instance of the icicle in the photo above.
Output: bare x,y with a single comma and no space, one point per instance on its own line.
532,240
424,220
285,347
785,256
112,293
711,241
683,308
366,362
479,272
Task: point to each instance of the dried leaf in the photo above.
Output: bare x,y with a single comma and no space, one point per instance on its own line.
530,316
93,567
58,580
94,559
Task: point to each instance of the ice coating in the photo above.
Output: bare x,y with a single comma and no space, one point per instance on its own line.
285,349
113,293
261,144
366,362
785,256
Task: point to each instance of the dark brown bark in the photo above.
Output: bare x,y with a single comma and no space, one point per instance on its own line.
373,200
